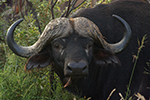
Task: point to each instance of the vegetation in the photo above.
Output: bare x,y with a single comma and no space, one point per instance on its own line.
141,45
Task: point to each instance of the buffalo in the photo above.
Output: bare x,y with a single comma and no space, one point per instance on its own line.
90,53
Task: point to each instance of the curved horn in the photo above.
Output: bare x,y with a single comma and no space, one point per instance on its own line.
87,28
117,47
53,29
18,50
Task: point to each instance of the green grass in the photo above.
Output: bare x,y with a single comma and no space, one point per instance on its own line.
16,84
141,45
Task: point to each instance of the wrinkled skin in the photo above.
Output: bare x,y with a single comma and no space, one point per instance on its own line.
73,49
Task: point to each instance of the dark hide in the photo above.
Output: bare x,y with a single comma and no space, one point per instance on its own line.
106,71
137,14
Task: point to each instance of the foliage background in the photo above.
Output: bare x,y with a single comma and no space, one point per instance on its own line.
15,83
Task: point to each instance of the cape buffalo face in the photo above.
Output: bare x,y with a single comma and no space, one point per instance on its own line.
73,54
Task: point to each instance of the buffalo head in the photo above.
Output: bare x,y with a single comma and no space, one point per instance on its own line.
69,45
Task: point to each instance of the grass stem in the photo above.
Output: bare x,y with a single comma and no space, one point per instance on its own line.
136,59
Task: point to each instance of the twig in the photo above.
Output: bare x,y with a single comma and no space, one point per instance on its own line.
52,6
122,98
78,5
20,3
35,16
67,12
111,94
140,97
72,8
75,7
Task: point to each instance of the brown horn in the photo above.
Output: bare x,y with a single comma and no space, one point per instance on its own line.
19,50
53,29
118,47
87,28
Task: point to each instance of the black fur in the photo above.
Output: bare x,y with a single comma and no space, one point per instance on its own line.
137,14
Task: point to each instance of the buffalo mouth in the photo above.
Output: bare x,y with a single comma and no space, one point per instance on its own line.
74,71
70,81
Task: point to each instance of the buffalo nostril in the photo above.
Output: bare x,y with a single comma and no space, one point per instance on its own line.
84,68
76,68
69,68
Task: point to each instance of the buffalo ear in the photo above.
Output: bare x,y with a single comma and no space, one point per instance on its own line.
40,60
104,57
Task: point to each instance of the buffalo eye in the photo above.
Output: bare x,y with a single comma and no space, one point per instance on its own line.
57,46
89,45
